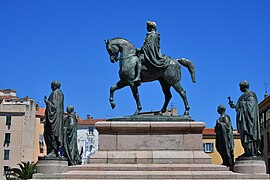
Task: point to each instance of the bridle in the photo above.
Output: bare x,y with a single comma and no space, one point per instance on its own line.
125,57
112,50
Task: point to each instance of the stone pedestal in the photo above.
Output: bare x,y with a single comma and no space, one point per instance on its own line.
144,142
48,166
250,165
150,147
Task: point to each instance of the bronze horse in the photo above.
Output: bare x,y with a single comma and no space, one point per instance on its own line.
168,77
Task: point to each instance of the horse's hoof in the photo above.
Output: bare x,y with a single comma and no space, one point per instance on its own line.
113,105
186,113
137,112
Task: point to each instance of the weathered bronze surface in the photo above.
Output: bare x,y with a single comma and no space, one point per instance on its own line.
247,120
224,137
145,65
53,125
70,138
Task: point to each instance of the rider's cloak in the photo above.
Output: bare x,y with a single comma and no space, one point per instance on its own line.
151,50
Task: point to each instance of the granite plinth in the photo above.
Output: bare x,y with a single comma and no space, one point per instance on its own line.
153,118
150,142
251,165
51,165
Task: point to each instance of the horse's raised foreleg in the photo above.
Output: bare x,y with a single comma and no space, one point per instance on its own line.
134,89
120,84
167,93
182,93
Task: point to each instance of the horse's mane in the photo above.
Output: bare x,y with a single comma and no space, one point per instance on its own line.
123,39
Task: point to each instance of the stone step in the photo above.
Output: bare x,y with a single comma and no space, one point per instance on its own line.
150,157
148,167
150,175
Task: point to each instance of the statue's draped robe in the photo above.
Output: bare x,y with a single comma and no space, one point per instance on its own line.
224,139
247,120
151,50
70,140
53,125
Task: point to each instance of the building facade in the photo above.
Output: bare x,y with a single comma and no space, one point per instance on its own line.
17,129
39,142
264,108
209,145
87,138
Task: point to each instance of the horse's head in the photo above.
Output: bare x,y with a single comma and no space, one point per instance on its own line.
112,50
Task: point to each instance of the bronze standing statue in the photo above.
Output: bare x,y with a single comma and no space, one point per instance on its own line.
224,137
70,138
247,120
53,125
146,65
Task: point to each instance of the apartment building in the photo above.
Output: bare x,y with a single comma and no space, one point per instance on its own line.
209,145
264,108
39,142
87,137
17,129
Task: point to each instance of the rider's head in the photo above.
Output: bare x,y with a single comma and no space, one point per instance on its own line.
151,25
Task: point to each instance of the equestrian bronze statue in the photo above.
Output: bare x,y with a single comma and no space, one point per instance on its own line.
147,64
169,76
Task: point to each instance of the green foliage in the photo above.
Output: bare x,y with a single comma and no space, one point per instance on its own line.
25,171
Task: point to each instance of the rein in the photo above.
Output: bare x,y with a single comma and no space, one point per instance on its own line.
125,57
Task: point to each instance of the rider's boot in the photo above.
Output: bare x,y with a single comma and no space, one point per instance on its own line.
137,79
138,68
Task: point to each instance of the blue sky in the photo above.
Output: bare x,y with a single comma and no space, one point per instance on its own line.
228,41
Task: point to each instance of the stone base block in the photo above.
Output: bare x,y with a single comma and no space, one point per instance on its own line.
51,166
150,157
143,136
250,165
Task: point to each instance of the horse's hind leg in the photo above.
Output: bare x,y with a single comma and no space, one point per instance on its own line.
167,93
120,84
134,89
182,93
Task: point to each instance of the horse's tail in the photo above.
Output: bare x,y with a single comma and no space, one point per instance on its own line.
189,65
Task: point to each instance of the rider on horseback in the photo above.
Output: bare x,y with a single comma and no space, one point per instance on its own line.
150,51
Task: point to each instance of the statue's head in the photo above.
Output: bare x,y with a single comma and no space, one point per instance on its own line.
221,109
70,109
55,85
151,25
244,85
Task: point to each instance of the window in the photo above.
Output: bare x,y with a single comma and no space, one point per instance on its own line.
41,143
8,121
264,119
208,147
7,139
262,144
6,171
268,170
6,154
91,129
41,120
268,142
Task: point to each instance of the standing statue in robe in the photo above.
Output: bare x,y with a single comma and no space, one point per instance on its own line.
70,138
224,137
53,125
247,120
